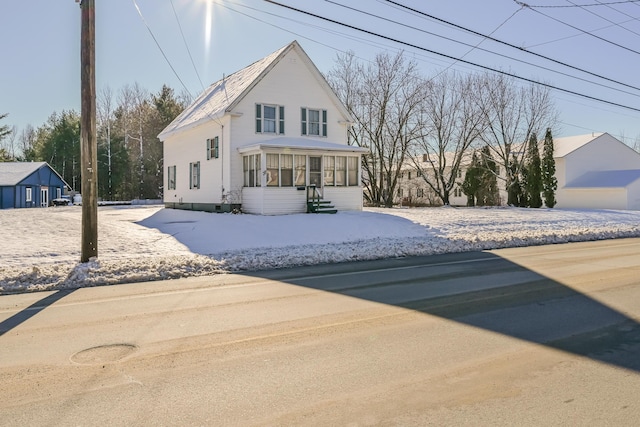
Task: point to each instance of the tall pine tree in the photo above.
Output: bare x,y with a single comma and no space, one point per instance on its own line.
488,193
534,174
471,182
549,180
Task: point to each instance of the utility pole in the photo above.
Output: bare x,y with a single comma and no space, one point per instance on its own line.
88,137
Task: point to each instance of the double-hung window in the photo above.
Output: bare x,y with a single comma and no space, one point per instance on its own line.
28,197
171,178
269,118
212,148
314,122
194,175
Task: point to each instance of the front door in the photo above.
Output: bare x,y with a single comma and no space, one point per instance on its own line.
44,197
315,171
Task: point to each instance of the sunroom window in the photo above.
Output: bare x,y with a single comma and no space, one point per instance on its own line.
251,170
301,170
352,171
273,168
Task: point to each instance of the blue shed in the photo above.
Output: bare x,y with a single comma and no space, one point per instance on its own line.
29,185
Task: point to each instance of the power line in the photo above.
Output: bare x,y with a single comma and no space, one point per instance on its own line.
580,29
605,19
453,58
477,46
509,44
159,47
574,5
616,24
186,45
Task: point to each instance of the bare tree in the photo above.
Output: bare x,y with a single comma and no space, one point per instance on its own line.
383,97
451,121
512,114
105,119
27,143
636,144
8,145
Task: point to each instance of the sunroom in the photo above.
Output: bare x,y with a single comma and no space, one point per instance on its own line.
282,175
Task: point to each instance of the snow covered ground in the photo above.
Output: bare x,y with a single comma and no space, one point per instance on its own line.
40,248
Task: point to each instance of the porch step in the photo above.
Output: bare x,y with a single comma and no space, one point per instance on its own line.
321,206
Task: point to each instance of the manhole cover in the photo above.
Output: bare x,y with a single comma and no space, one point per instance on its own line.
103,354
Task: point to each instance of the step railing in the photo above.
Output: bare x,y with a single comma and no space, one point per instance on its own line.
313,198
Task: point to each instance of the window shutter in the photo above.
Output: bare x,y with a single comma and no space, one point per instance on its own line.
208,149
215,147
190,175
198,175
324,122
258,118
303,114
281,130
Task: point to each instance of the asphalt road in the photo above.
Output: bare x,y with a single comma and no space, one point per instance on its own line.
544,335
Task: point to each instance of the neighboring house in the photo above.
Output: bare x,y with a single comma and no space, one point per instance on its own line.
412,190
594,171
29,185
260,139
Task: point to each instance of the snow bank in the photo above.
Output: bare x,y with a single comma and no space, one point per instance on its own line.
41,247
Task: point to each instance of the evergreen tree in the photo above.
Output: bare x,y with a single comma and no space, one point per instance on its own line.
488,193
533,174
4,129
471,182
549,180
58,143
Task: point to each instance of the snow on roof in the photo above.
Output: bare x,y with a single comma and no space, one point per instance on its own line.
11,173
301,144
606,179
218,97
564,146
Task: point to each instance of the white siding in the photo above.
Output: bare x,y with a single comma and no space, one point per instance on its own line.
190,146
592,198
252,200
633,195
278,201
292,85
603,153
344,198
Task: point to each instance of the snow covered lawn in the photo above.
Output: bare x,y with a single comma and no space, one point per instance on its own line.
40,248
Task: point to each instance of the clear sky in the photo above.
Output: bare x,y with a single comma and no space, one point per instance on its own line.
40,56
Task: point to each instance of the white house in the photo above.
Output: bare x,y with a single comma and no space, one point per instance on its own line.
596,171
262,139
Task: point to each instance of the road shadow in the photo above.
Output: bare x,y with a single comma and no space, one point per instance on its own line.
29,312
483,290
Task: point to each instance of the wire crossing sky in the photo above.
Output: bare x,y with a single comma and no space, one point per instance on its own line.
584,49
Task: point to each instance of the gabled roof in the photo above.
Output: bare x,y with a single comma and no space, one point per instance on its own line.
301,144
11,173
222,96
606,179
564,146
